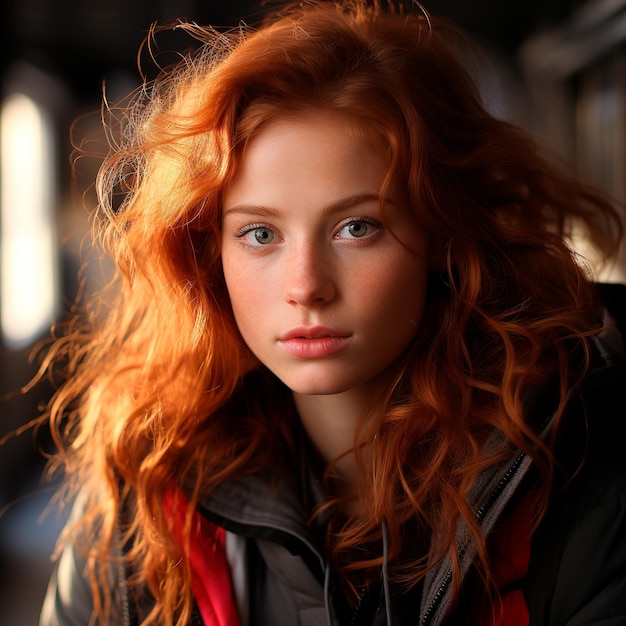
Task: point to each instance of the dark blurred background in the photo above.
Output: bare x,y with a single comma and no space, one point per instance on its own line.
555,67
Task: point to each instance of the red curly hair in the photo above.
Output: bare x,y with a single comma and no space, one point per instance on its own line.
163,386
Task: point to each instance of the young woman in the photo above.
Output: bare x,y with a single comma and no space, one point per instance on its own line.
353,372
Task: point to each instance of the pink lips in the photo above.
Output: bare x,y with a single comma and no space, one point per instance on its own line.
313,342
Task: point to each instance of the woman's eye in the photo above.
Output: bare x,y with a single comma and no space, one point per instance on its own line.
257,235
357,229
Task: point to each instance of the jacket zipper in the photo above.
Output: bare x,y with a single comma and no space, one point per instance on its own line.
480,514
126,612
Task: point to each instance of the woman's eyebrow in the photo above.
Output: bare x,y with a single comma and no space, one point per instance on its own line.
334,207
252,209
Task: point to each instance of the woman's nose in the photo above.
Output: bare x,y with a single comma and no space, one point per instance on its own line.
310,275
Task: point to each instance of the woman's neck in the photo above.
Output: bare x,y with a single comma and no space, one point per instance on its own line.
331,424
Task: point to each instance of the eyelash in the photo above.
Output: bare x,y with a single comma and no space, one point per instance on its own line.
244,230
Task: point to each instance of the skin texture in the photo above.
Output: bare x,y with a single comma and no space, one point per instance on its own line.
324,294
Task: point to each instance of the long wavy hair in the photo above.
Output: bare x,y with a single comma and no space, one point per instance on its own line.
163,387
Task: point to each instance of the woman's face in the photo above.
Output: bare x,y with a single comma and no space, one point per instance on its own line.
322,292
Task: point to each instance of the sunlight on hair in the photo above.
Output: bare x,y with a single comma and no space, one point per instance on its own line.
602,270
28,269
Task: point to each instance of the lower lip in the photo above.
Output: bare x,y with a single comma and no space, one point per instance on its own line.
314,347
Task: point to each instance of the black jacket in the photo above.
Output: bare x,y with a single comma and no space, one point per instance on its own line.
577,571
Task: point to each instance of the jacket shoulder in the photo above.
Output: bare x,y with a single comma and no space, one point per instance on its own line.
577,569
69,598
